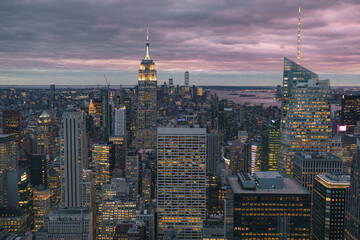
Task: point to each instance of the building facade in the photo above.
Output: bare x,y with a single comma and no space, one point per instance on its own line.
329,205
350,112
307,124
67,223
267,206
308,165
352,213
73,157
181,181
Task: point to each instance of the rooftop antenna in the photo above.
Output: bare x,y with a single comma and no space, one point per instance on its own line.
298,41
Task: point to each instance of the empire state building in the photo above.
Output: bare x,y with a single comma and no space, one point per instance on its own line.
147,111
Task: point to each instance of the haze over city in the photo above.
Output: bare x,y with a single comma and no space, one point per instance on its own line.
218,42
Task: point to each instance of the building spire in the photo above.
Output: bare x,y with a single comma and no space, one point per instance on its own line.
147,50
298,41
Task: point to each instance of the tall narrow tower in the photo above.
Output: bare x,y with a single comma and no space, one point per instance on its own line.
298,41
73,157
147,111
186,78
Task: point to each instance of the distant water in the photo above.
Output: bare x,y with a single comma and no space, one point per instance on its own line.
256,97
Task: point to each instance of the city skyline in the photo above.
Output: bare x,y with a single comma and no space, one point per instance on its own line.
235,43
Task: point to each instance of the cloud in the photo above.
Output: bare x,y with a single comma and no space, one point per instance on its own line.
204,36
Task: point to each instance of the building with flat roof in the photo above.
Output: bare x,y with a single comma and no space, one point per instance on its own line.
181,181
329,205
308,165
266,206
67,223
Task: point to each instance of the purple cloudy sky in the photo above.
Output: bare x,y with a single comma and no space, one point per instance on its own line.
221,42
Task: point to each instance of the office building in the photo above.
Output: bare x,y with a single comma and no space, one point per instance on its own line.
103,164
292,76
42,204
213,151
119,145
39,169
147,216
328,214
8,160
352,212
13,219
12,123
132,174
115,205
307,124
73,157
45,135
270,141
106,118
119,120
186,78
350,112
267,206
308,165
55,187
147,110
181,181
348,144
67,223
17,192
52,94
146,185
240,156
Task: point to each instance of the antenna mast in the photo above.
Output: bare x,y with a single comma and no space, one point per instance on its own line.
298,41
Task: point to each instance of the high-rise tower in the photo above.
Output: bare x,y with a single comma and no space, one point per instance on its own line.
45,136
352,213
73,157
181,181
307,125
146,112
186,78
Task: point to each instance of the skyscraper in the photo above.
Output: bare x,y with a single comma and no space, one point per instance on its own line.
307,165
350,112
105,114
103,161
329,205
52,94
18,192
132,174
42,203
186,78
293,74
73,157
181,181
147,110
352,213
7,159
119,121
270,140
306,127
213,151
12,123
267,206
45,136
39,169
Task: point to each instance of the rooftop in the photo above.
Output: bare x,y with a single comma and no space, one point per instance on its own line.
316,156
290,186
181,131
334,179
